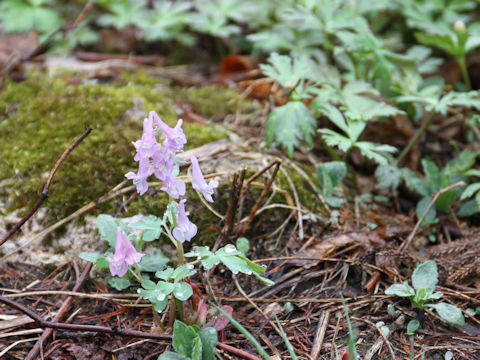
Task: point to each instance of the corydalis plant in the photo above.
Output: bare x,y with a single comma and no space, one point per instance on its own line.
125,260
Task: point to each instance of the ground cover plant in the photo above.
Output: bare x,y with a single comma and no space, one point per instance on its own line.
306,184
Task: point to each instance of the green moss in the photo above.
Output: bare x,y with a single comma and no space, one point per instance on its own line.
41,117
214,101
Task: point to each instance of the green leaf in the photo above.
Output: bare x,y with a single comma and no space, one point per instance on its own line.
289,124
425,275
388,177
470,190
169,355
376,152
197,349
107,226
184,338
449,313
333,138
90,256
209,339
118,283
151,226
183,272
182,291
433,174
431,217
286,70
468,209
402,290
243,245
153,262
337,170
412,326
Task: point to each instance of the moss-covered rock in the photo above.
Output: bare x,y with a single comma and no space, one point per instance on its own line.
42,116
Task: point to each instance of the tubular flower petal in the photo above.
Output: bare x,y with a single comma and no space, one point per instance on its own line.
199,183
125,254
185,230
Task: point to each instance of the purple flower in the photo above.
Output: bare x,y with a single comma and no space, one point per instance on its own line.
185,230
147,145
175,137
174,187
199,183
125,254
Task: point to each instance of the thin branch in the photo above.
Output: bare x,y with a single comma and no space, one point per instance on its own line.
406,244
46,188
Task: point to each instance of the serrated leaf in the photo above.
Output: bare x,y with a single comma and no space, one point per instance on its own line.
286,70
289,124
333,138
376,152
425,275
449,313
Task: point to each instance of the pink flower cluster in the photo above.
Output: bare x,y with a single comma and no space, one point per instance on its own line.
159,161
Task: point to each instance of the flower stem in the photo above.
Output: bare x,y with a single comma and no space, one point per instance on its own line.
415,137
463,68
181,259
207,205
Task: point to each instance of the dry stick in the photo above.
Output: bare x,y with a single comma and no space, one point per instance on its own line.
237,185
81,327
239,352
385,339
46,188
268,185
406,244
63,309
320,335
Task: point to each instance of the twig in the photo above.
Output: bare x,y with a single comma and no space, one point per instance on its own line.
63,309
46,188
237,185
243,229
239,352
79,327
406,244
385,339
320,335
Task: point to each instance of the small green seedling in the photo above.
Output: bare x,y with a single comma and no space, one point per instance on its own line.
191,343
330,174
424,281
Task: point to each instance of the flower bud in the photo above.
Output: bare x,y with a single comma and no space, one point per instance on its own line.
459,26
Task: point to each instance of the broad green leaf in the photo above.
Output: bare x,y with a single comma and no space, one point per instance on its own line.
468,209
153,262
449,313
165,274
431,217
209,339
90,256
184,338
182,291
402,290
425,275
118,283
286,70
197,349
151,226
183,272
235,264
289,124
470,190
388,177
337,171
107,226
243,245
433,174
169,355
412,326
